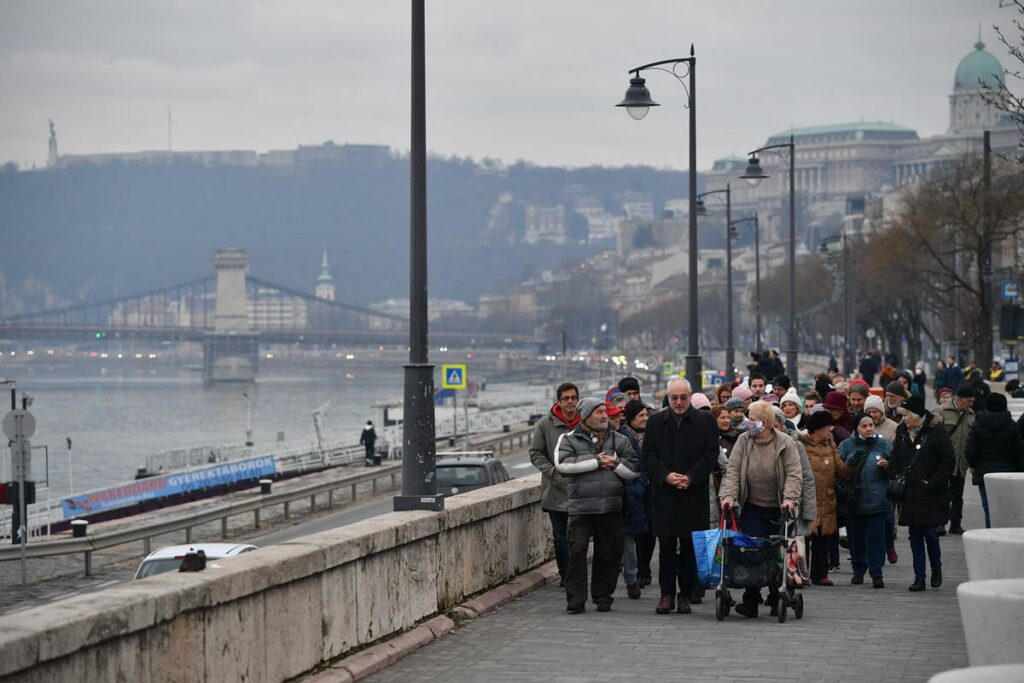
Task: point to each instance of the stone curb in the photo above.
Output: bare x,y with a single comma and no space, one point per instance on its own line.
371,660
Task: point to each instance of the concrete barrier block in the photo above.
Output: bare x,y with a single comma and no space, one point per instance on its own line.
995,553
473,557
293,614
118,659
395,589
993,614
176,649
236,639
19,648
339,611
1000,673
258,570
1005,498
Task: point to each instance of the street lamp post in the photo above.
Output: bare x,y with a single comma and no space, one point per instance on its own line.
730,347
757,272
848,311
754,175
419,488
637,103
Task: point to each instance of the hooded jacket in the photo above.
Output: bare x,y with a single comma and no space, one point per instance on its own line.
595,490
554,491
994,445
959,426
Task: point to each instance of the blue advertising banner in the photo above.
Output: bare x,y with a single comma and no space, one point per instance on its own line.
168,485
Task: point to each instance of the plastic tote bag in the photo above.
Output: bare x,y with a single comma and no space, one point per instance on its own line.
707,548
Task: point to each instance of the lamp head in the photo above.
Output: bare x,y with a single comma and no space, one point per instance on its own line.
638,98
701,209
754,173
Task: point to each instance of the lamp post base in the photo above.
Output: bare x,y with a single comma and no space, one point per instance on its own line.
407,503
694,367
419,485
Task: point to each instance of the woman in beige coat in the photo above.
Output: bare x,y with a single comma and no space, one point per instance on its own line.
826,464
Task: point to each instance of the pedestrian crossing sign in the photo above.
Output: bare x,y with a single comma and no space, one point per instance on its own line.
453,376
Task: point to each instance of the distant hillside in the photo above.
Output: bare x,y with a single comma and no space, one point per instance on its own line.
90,231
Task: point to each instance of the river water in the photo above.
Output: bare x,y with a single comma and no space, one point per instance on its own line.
115,422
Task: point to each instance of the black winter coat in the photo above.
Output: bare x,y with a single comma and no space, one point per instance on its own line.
994,445
689,448
931,460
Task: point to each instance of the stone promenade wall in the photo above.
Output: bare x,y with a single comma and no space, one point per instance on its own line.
280,611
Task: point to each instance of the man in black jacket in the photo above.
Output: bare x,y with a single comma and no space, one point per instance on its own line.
595,460
679,452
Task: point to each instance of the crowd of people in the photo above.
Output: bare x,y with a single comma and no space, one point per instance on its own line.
636,478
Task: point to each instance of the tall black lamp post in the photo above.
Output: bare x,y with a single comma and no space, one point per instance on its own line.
754,175
730,347
637,103
849,360
419,487
757,270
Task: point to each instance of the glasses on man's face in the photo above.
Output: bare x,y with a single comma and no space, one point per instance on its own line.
675,398
569,399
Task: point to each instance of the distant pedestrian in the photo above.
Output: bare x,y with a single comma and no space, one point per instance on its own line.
954,375
919,383
895,393
630,386
368,440
868,368
793,408
993,445
595,460
757,384
723,393
924,452
885,428
554,491
939,381
957,417
859,393
825,466
680,451
638,542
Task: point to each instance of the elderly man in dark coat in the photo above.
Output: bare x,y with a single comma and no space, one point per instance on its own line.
680,450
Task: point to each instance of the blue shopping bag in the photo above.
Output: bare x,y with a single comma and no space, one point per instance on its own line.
707,548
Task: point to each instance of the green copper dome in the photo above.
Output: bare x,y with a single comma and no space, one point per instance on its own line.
978,67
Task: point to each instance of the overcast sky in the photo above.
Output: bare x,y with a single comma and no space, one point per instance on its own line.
530,79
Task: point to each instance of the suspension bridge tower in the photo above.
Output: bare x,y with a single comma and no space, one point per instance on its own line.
231,348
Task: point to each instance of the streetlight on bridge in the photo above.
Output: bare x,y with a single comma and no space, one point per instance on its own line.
754,175
637,103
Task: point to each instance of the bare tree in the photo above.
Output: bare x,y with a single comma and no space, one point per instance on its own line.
1000,96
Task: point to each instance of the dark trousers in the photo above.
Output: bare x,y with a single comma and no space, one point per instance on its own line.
922,537
369,453
867,543
984,505
606,530
758,521
956,501
644,552
890,528
560,534
817,551
677,564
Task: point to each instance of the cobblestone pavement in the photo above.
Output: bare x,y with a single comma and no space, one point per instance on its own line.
848,633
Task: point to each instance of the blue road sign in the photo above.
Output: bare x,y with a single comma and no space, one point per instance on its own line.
453,376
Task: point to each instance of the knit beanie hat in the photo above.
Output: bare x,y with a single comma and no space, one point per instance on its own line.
587,405
734,403
817,419
965,392
897,388
995,403
836,400
914,404
859,387
633,409
700,401
629,384
874,402
792,397
742,392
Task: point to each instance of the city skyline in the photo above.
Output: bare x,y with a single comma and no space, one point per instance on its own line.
507,83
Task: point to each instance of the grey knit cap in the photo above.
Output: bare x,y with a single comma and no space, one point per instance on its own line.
588,405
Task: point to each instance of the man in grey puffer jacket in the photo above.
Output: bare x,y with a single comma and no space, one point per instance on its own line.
596,460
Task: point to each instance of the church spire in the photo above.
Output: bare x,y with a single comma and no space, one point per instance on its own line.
325,273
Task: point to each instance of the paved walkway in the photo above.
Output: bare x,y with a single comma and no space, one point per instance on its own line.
848,633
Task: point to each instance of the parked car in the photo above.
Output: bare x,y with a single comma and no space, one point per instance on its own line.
461,473
169,559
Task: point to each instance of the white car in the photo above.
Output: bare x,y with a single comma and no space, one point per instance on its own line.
169,559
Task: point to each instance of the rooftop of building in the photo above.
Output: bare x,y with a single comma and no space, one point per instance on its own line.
861,130
978,69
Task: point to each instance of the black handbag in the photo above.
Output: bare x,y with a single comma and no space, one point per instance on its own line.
896,489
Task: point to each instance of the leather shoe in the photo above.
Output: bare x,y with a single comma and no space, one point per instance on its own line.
665,605
604,607
917,586
936,578
823,582
633,591
750,612
576,609
684,606
958,530
857,580
878,583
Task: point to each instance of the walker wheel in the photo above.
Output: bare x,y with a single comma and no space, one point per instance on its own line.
798,609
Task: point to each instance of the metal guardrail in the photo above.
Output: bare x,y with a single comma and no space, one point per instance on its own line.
93,542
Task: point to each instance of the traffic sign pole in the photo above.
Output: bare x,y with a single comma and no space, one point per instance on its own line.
19,426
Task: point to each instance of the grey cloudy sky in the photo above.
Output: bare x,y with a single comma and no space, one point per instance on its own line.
531,79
